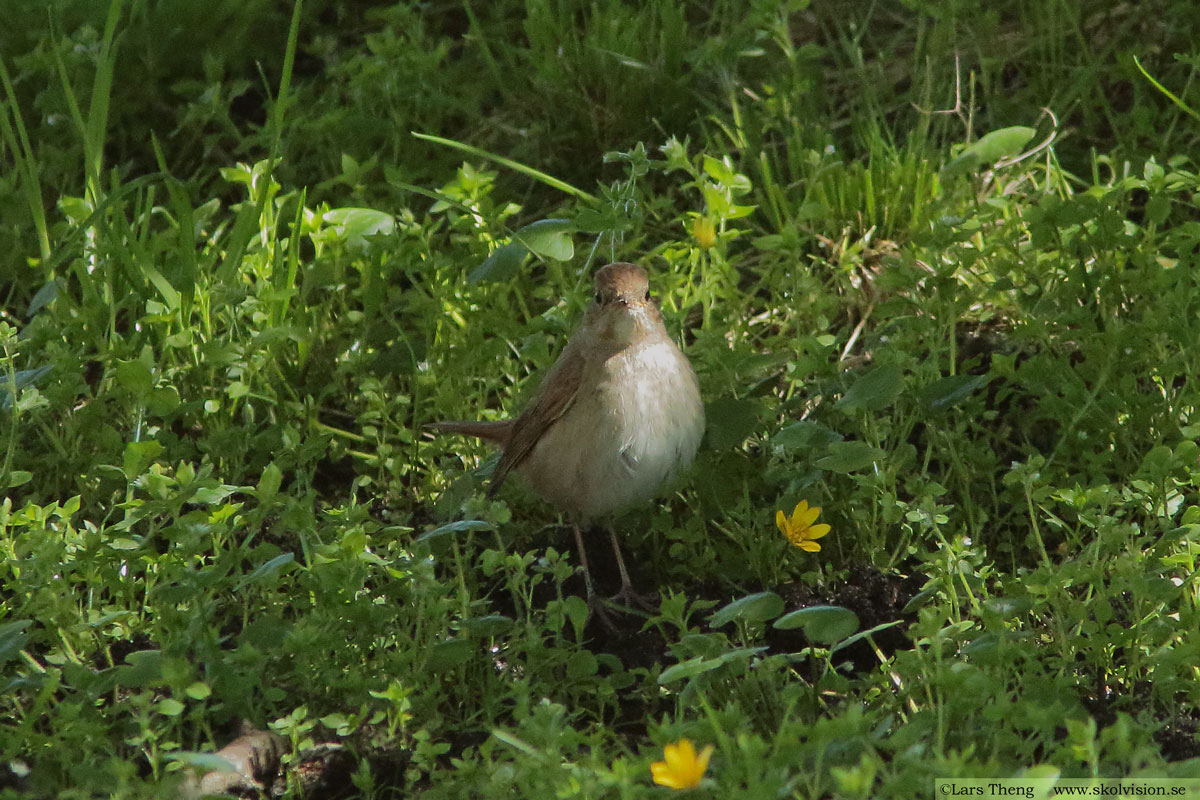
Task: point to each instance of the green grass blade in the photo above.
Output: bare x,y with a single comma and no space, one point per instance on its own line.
17,138
536,174
97,119
1191,112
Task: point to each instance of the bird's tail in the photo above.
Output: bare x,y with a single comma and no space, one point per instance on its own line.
496,432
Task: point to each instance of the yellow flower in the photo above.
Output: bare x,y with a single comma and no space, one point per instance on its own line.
799,529
683,767
704,231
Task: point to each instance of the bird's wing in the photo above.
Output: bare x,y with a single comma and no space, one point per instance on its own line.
553,398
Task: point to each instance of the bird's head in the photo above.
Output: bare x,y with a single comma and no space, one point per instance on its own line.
622,311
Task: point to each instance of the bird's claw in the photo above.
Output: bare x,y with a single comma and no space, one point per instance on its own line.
630,598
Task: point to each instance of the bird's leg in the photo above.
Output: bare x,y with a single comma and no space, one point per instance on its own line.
587,575
593,600
627,593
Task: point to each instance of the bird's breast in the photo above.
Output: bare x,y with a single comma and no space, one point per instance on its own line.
635,422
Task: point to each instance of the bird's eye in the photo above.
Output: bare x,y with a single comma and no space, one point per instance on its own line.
599,299
647,297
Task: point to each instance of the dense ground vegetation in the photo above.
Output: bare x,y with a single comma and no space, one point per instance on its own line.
936,266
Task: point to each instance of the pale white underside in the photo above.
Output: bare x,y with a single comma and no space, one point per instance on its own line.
635,422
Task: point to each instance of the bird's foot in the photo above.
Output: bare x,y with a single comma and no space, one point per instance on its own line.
596,607
630,598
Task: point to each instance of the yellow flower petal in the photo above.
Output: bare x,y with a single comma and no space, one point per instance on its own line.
663,775
800,528
681,768
817,531
702,760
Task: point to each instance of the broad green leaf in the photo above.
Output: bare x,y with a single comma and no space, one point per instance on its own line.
951,390
590,220
25,377
134,377
86,678
449,654
455,527
716,201
205,762
1001,143
17,477
42,298
123,543
502,264
992,147
576,609
686,669
1158,208
12,639
1187,452
198,690
918,600
984,644
801,436
847,457
76,209
731,420
758,607
874,391
548,238
267,570
268,483
139,455
700,664
163,400
213,494
354,225
824,624
338,723
21,379
487,626
169,707
582,664
145,668
1007,607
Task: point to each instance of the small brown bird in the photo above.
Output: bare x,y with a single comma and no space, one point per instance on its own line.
618,415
